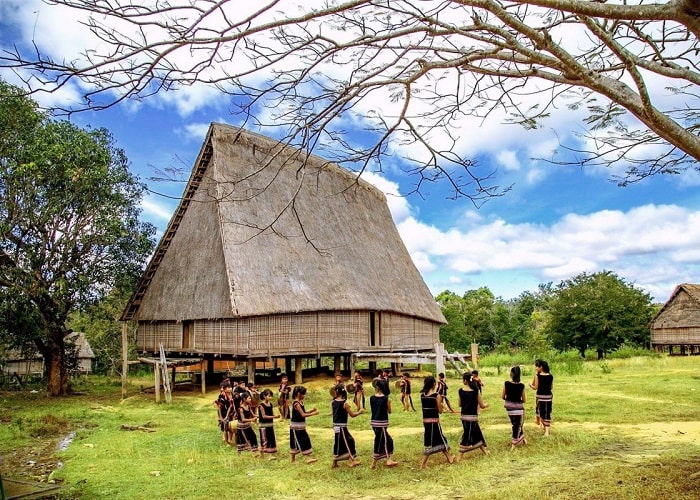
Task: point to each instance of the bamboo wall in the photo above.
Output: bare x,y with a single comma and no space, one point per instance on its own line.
678,323
676,336
290,334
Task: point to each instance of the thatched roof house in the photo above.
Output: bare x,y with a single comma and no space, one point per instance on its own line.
275,253
31,363
678,322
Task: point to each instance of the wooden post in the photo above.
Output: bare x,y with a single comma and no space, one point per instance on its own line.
125,359
475,355
336,364
204,383
298,378
288,366
251,370
439,357
156,375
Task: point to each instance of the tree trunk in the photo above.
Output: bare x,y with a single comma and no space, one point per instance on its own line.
56,371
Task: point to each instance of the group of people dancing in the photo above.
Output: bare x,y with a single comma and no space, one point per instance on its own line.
244,408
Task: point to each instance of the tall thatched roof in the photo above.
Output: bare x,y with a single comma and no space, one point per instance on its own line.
684,316
265,229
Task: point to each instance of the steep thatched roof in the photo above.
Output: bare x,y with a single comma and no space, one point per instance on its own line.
77,338
688,318
265,229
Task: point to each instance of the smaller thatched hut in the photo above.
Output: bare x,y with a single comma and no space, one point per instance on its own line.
31,364
677,324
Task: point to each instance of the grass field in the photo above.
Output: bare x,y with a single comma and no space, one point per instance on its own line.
623,429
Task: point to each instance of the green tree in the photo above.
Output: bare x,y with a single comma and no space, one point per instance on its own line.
454,333
600,311
100,323
69,228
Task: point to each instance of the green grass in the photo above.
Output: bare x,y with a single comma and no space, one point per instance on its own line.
628,429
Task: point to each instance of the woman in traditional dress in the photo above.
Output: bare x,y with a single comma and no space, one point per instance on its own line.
247,440
299,440
344,443
513,395
283,399
225,412
434,441
470,401
266,417
359,397
379,421
542,384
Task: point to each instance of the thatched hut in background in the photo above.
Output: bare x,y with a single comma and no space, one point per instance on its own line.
677,324
31,363
276,254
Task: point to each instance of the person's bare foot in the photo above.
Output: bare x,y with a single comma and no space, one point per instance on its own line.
311,460
373,464
391,463
450,459
334,465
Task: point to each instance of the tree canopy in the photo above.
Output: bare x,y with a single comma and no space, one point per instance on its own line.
69,227
409,73
600,311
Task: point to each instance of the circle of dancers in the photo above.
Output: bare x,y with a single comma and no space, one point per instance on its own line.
240,406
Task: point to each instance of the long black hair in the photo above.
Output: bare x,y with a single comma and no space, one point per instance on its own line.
515,374
428,384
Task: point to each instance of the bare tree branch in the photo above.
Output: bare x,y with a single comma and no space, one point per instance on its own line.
304,67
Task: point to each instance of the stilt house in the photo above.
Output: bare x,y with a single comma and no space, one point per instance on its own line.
276,254
677,324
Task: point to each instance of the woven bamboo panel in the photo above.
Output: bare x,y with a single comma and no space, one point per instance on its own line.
400,332
343,330
396,331
151,335
676,336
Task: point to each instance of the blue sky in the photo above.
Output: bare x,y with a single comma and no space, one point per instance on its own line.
555,223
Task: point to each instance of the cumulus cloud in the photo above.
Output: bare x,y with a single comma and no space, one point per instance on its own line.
642,245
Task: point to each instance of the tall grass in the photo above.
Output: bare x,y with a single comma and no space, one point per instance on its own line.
623,432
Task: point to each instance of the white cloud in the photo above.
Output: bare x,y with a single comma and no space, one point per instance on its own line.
646,245
508,159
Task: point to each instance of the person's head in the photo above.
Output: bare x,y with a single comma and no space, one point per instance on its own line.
250,385
299,392
469,380
406,375
544,366
340,391
441,376
381,386
285,379
515,374
386,373
245,398
226,387
475,373
338,377
358,374
538,365
428,384
266,394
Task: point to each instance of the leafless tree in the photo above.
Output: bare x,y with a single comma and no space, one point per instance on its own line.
629,71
